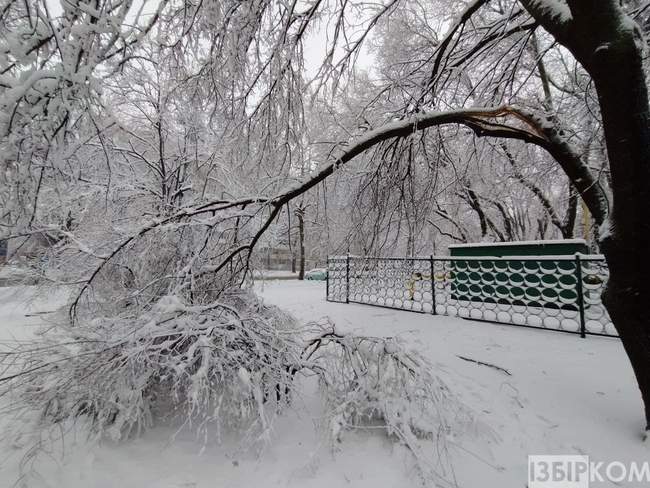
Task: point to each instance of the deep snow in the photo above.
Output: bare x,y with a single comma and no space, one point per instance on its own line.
565,395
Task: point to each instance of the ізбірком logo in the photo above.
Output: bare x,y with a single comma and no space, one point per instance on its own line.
558,471
576,471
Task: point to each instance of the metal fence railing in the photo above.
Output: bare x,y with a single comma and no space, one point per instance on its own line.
556,293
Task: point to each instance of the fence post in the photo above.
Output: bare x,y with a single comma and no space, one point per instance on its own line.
347,278
581,304
433,285
327,281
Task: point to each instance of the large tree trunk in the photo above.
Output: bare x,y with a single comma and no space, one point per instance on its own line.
624,106
608,45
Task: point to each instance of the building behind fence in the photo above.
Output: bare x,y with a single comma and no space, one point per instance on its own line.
556,293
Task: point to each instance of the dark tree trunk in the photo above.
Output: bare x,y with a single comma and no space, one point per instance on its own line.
507,221
569,222
301,243
608,45
289,239
472,199
624,106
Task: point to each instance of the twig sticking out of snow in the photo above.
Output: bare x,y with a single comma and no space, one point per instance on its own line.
489,365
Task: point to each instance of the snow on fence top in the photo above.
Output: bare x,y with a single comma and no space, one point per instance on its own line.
519,243
549,257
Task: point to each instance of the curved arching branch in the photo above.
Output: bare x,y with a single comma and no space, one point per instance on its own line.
484,122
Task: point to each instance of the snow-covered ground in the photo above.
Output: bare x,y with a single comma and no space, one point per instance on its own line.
565,395
273,274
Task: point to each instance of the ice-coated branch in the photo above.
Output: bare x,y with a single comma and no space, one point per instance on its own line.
488,122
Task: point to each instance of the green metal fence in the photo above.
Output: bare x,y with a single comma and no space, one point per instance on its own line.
556,293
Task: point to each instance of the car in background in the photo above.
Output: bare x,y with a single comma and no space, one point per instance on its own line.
316,274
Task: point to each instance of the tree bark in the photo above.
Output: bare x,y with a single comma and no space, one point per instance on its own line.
289,239
570,215
301,241
623,97
608,45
